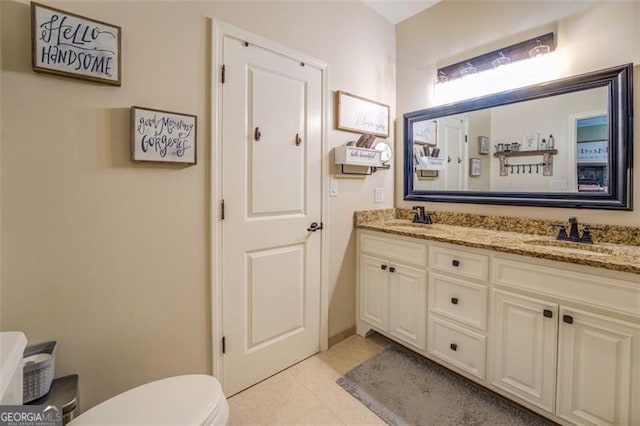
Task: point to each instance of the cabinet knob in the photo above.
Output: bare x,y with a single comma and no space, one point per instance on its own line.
548,313
455,263
454,300
454,346
392,269
568,319
383,267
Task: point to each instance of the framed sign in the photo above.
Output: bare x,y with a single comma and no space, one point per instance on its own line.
483,145
474,167
162,136
360,115
71,45
425,132
593,152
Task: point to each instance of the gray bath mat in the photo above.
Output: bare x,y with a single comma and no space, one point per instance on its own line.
403,388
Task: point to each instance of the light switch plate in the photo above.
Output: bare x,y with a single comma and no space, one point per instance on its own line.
378,195
333,188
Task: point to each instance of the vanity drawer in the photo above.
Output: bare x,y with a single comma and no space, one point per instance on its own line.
598,291
391,248
458,300
465,264
457,346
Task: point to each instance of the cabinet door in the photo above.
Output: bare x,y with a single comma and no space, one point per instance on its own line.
408,304
374,291
598,369
525,348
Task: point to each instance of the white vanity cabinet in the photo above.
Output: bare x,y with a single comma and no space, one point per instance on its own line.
525,336
393,287
561,339
457,320
562,347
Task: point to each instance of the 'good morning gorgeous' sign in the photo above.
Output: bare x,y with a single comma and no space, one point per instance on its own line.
162,136
75,46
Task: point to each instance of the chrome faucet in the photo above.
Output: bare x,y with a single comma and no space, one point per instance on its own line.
420,215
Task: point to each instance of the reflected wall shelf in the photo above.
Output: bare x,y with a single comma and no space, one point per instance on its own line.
547,160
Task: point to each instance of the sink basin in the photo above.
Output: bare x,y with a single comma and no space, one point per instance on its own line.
400,223
572,248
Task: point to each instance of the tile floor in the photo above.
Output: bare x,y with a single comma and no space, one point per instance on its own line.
307,393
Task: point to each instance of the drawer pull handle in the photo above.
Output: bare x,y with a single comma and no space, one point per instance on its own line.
454,346
454,300
568,319
392,269
455,263
383,267
547,313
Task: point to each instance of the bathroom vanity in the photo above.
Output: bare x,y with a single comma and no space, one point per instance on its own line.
554,327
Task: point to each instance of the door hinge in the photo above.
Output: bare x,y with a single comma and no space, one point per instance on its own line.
222,74
466,138
224,345
222,210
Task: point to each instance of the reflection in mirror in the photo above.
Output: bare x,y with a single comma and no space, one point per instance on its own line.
562,143
520,137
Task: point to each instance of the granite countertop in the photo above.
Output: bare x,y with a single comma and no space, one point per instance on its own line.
493,236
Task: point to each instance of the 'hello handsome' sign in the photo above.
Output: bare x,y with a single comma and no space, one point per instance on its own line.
74,46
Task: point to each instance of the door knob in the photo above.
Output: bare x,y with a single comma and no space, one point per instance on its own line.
314,227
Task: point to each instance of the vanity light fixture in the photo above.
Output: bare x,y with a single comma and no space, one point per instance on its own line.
498,71
527,49
539,50
501,60
468,70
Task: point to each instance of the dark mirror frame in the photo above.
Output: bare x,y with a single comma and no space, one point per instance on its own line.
618,82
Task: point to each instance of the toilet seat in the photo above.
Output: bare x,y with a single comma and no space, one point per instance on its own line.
182,400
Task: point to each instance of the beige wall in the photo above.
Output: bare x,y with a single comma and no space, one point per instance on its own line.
110,258
590,36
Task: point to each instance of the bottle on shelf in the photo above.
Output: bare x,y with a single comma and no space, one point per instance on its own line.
543,144
551,143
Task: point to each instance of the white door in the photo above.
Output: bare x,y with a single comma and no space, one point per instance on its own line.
451,139
524,348
271,186
598,370
374,291
408,304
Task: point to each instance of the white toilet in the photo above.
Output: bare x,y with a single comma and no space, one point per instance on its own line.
182,400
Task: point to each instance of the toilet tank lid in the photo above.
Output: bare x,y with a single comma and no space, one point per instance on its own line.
179,400
12,345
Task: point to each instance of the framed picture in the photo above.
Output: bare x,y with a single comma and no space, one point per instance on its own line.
162,136
474,167
71,45
483,145
360,115
425,132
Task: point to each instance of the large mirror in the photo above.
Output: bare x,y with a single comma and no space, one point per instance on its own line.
565,143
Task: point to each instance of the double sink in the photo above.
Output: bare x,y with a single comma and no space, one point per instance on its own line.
533,241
